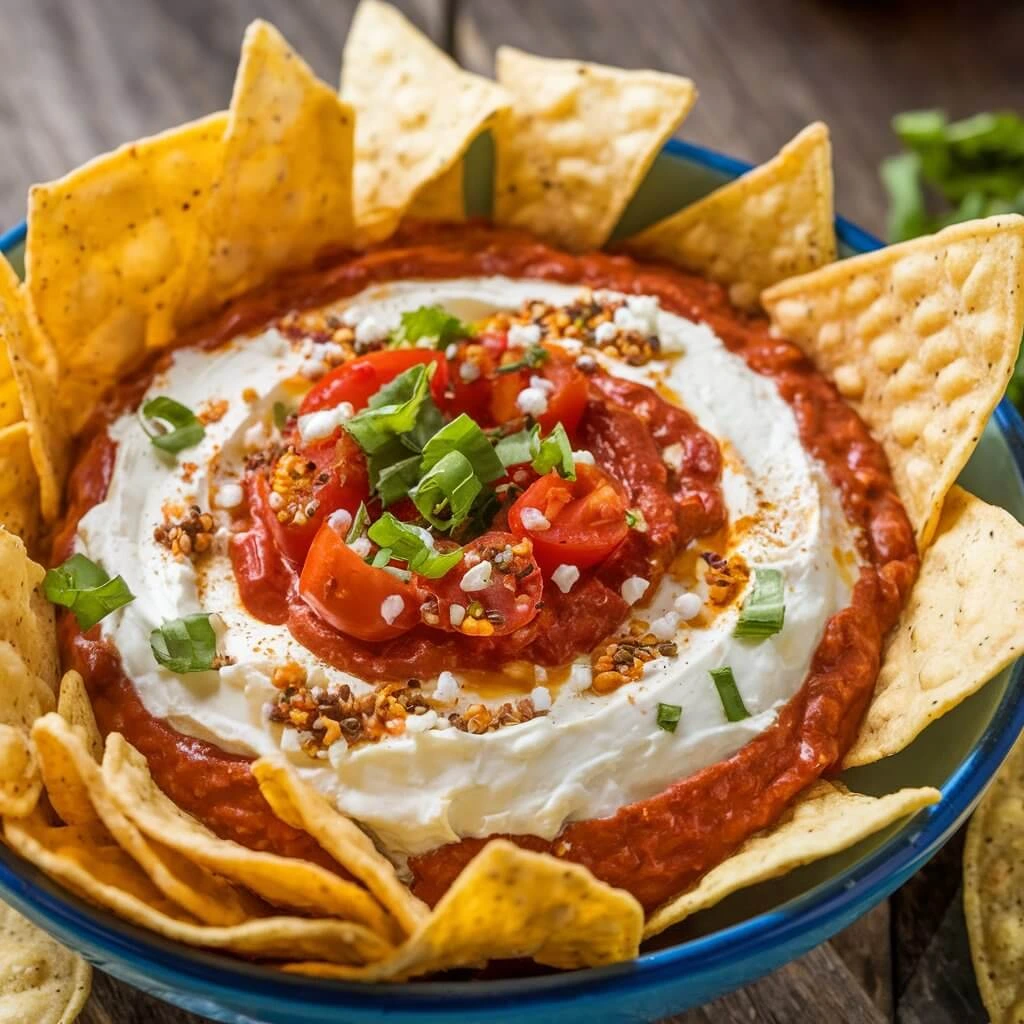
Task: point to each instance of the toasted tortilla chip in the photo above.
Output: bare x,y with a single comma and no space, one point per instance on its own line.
20,510
920,339
26,617
303,807
577,143
509,903
825,819
442,199
282,881
994,892
417,113
105,875
33,364
284,184
108,255
963,624
40,980
78,793
74,706
773,222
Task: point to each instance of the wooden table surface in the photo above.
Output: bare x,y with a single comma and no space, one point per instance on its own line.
81,77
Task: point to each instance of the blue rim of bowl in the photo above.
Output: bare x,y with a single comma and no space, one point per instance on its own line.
858,888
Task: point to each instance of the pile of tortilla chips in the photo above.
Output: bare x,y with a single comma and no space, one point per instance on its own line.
140,243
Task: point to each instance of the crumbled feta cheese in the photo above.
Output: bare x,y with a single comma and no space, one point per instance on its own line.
230,496
469,371
391,607
688,606
340,520
541,697
532,401
523,335
332,352
665,626
583,456
534,520
673,456
605,332
275,501
542,383
581,675
451,351
456,614
369,330
315,426
351,316
645,308
565,577
626,320
312,369
447,689
421,723
361,546
633,589
477,578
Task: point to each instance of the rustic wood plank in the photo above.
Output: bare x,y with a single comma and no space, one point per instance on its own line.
866,949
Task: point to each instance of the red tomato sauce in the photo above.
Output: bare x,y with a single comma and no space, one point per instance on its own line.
654,848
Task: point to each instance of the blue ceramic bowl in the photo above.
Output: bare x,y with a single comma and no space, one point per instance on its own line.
742,938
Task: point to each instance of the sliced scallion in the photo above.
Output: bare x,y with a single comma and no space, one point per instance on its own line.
764,611
729,694
668,716
171,426
414,546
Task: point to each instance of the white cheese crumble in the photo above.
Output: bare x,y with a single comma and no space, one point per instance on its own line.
477,578
542,384
447,688
469,371
605,332
565,577
534,520
456,614
532,401
688,606
370,330
316,426
421,723
312,369
665,626
633,589
391,607
230,496
522,335
340,520
351,316
673,456
541,697
275,501
361,546
584,457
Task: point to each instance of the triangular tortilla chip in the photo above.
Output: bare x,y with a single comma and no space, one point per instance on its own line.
825,819
509,903
23,698
920,339
284,186
26,617
773,222
442,199
74,706
417,113
578,142
40,980
20,511
108,255
963,624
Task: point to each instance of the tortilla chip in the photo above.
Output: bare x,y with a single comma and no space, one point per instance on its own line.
108,255
920,339
578,142
963,624
284,184
282,881
773,222
20,510
23,698
994,892
417,113
105,875
442,199
304,807
26,617
74,706
825,819
40,980
509,903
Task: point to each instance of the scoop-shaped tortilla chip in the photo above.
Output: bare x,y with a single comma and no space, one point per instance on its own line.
40,980
773,222
920,339
74,706
20,510
282,881
417,113
994,891
577,143
303,807
825,819
963,623
109,253
284,182
104,874
509,903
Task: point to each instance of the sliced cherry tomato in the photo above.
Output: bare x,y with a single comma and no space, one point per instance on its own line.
354,597
587,518
359,379
313,481
473,396
567,400
508,601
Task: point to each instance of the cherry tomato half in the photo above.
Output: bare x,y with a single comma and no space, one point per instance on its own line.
567,399
587,518
354,597
505,603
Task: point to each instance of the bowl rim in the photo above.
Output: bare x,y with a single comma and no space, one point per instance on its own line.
819,911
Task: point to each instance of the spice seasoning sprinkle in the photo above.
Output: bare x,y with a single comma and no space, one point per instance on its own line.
189,537
622,660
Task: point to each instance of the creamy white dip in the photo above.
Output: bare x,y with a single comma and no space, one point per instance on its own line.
591,754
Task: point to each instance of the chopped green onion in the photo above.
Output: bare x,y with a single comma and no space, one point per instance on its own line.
382,558
393,410
359,522
554,452
533,356
729,694
281,414
635,520
87,589
764,611
185,645
170,425
429,322
465,436
446,492
668,716
414,546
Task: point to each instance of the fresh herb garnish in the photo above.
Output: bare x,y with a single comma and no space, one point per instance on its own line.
359,523
393,410
764,610
429,322
170,425
185,645
729,694
533,356
87,589
446,492
382,558
414,546
463,435
551,452
635,520
668,716
394,482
